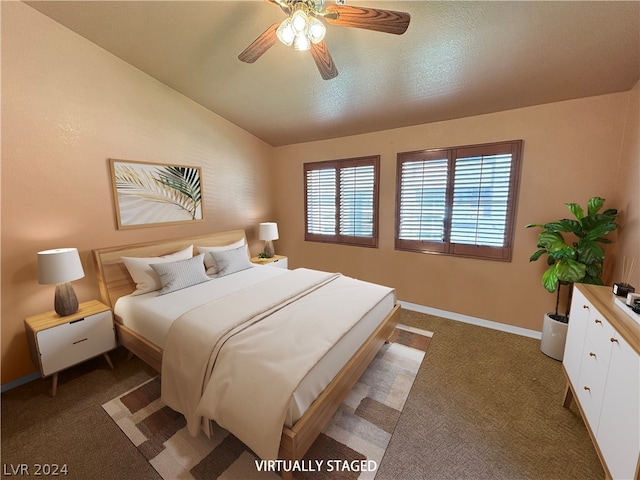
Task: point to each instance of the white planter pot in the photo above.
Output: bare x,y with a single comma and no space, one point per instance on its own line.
554,336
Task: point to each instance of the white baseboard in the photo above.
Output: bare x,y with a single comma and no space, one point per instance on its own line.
525,332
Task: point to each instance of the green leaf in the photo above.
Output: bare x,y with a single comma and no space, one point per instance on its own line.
564,225
598,230
594,205
576,210
534,225
592,280
603,240
536,255
593,271
570,271
590,252
551,241
550,279
567,252
592,221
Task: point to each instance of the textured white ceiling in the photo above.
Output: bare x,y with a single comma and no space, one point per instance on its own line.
456,59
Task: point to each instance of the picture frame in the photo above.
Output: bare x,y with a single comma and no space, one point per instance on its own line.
155,194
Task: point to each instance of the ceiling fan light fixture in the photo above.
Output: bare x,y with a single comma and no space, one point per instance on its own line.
285,32
304,29
317,30
301,43
299,21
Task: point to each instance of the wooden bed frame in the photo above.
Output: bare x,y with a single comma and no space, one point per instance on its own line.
114,282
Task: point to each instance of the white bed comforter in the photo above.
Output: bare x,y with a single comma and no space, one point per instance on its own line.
238,360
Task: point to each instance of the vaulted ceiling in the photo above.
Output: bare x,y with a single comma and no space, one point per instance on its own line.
457,59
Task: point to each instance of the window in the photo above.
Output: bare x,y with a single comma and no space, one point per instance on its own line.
341,201
458,201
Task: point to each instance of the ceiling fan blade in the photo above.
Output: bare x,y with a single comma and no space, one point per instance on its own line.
324,62
260,45
386,21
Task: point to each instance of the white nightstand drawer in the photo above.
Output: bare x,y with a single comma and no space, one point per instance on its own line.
70,343
281,263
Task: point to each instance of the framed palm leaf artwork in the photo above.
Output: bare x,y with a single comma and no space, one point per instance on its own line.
153,194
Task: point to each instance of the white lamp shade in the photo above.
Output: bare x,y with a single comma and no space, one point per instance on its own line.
268,231
59,266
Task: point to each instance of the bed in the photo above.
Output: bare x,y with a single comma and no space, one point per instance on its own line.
308,413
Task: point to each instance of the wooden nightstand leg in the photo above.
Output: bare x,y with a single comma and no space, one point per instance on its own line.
54,384
106,357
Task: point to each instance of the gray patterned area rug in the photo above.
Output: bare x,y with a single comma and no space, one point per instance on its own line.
351,446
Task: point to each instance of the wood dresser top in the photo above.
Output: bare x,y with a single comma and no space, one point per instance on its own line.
603,300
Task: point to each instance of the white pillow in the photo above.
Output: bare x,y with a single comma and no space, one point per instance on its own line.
209,262
146,278
231,261
181,274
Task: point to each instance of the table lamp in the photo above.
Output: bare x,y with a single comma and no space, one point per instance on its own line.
268,232
60,266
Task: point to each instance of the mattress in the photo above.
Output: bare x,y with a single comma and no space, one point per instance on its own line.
151,315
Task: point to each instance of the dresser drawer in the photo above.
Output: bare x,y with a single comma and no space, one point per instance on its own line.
599,333
70,343
608,384
591,386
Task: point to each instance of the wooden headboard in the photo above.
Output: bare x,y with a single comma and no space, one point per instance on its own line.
114,279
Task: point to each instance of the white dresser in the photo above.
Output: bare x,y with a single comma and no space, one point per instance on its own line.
602,365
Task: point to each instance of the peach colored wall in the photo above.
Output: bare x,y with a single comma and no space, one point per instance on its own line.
571,150
628,188
68,106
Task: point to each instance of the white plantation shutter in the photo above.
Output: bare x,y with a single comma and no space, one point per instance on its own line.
480,200
423,200
458,201
321,201
356,201
341,201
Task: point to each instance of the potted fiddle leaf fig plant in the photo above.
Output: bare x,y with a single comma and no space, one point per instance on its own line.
574,253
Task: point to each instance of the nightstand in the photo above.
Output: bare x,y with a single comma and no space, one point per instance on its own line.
59,342
279,261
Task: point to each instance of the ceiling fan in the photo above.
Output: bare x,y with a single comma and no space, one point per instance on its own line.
305,31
